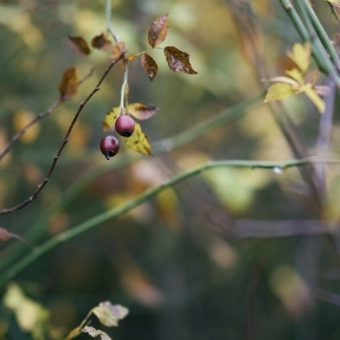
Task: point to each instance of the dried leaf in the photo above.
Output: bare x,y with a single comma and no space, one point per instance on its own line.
79,45
138,141
141,111
118,50
91,331
69,83
158,30
278,91
149,65
178,60
301,55
101,42
314,97
5,235
110,118
109,314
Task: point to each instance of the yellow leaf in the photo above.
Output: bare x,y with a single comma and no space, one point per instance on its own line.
278,91
314,97
138,141
296,75
110,118
141,111
31,316
69,83
301,56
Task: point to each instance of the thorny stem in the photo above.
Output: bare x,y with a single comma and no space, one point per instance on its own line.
64,142
320,32
321,57
109,21
113,213
334,12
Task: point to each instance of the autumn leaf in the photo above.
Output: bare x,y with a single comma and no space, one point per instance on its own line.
69,83
178,60
109,314
101,42
118,50
94,333
278,91
141,111
110,118
301,56
79,45
138,141
149,65
158,30
315,98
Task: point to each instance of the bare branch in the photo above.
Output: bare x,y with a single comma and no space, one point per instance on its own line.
64,142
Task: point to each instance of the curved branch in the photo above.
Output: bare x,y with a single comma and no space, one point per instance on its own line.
113,213
64,142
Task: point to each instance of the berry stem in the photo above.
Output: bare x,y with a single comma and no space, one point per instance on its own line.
109,21
124,85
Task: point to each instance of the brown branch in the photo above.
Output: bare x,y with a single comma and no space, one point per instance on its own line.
64,142
41,115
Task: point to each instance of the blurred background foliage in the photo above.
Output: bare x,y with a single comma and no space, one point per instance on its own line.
191,263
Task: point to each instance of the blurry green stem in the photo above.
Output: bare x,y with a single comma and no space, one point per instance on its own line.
321,58
35,232
109,21
320,31
113,213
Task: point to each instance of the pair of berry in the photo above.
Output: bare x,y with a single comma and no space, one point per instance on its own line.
109,145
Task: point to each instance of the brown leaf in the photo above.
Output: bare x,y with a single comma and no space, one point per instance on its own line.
79,45
139,141
149,65
101,42
118,50
178,60
69,83
141,111
4,235
158,30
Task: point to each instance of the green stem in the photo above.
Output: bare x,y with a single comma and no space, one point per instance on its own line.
124,85
113,213
320,31
324,64
168,144
109,21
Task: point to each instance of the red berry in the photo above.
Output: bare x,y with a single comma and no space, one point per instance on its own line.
109,146
125,125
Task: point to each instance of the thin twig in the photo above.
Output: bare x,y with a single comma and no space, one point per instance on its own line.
109,21
122,209
41,115
64,142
